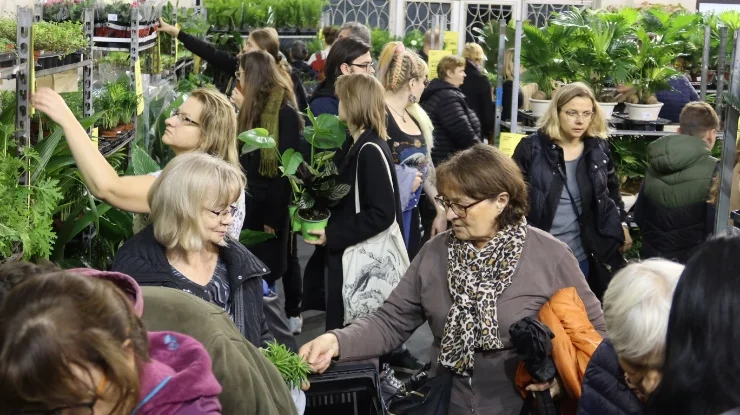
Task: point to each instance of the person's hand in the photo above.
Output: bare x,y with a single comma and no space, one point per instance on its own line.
168,28
553,386
52,104
627,240
237,98
319,352
321,233
417,182
440,223
269,230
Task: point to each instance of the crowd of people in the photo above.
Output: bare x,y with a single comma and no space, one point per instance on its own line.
472,243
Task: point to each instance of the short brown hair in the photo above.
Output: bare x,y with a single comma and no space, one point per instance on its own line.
449,63
14,273
330,34
55,322
363,99
481,172
697,119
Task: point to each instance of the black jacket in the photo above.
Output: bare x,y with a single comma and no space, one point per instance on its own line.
380,201
144,259
604,389
226,62
602,209
456,127
506,99
479,96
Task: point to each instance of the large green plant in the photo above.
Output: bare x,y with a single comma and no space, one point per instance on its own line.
652,66
546,56
488,37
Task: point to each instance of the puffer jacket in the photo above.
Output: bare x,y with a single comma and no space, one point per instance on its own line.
604,390
602,210
456,127
575,342
672,209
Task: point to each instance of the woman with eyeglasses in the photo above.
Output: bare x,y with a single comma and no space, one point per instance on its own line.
470,285
187,245
74,345
573,187
204,123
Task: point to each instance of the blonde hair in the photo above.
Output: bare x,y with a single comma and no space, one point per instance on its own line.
474,52
509,64
217,125
396,67
449,63
188,184
428,37
363,100
550,122
637,304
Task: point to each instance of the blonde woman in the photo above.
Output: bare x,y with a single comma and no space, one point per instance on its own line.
404,76
573,187
187,247
477,88
525,90
204,123
362,108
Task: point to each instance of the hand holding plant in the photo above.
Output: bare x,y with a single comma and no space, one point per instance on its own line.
53,105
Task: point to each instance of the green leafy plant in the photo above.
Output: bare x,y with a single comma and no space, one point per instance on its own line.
380,38
293,369
488,37
117,101
414,39
312,10
651,66
546,56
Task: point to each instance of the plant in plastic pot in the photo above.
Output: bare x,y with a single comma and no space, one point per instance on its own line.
606,57
545,56
651,71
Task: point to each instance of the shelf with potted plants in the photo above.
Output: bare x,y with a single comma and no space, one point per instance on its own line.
291,18
118,24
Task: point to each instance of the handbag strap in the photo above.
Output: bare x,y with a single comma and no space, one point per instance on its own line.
357,172
570,195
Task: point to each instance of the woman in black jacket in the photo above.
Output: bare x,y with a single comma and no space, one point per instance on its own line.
260,39
268,103
477,88
573,187
362,107
456,127
187,247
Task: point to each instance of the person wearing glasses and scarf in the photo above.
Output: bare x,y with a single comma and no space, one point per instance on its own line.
573,186
470,284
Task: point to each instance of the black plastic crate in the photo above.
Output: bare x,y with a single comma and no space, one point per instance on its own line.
345,389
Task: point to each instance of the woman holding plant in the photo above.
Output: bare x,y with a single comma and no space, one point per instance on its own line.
573,188
404,76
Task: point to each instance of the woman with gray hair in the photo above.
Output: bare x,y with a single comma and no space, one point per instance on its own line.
627,368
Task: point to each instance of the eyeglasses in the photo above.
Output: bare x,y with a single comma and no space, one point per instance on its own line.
238,75
365,66
460,210
231,210
573,115
183,118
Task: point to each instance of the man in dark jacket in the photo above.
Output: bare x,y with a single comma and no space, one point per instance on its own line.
477,90
672,209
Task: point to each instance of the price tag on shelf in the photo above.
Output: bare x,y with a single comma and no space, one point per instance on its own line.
112,17
196,65
508,142
95,135
450,40
434,57
139,87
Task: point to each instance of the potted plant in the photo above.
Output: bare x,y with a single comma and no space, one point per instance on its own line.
542,58
650,72
314,181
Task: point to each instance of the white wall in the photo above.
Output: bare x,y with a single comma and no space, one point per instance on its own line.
689,4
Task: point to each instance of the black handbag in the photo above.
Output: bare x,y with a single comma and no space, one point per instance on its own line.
431,398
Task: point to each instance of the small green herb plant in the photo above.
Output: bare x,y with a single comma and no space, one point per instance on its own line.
293,369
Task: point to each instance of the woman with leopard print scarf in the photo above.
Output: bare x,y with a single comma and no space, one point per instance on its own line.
470,285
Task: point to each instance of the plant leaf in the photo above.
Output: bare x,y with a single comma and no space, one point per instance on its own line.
292,162
254,139
249,237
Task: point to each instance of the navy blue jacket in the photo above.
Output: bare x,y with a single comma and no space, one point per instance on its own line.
674,101
604,390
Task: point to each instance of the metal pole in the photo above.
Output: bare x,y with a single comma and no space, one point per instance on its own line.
24,45
728,144
705,62
134,53
515,87
499,80
87,70
721,69
436,24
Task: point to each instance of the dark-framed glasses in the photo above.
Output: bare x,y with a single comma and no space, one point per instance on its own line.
460,210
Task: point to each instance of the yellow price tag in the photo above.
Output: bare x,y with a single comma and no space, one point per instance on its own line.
196,65
508,142
451,40
434,57
139,87
95,135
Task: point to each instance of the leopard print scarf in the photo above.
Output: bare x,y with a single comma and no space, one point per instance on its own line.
476,280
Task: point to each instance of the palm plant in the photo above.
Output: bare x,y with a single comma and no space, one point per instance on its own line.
546,55
651,68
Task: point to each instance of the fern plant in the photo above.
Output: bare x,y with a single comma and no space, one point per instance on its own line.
293,369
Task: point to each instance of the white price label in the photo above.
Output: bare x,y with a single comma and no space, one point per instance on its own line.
112,17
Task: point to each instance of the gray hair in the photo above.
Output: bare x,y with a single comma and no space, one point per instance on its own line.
636,308
359,30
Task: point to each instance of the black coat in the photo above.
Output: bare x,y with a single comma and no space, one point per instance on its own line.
456,127
144,259
602,209
226,62
478,95
604,390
